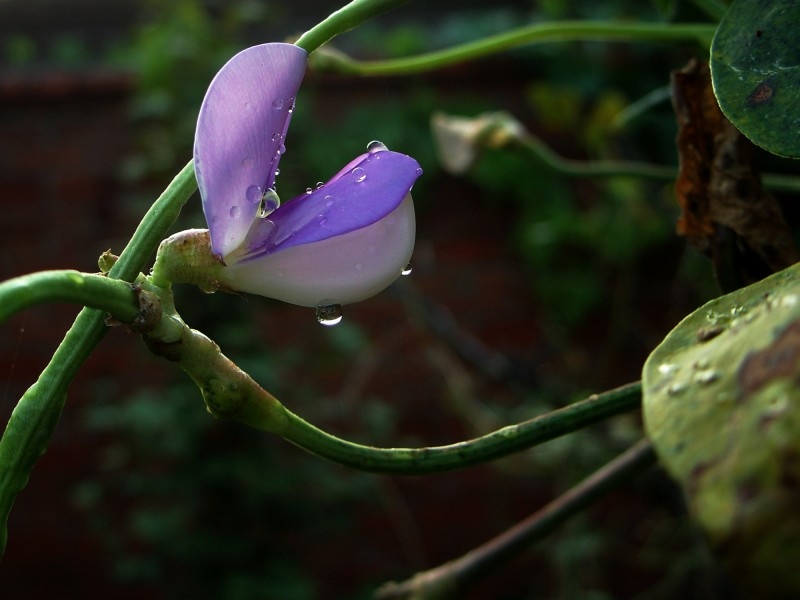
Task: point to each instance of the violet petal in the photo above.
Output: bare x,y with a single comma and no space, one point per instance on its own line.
240,135
366,190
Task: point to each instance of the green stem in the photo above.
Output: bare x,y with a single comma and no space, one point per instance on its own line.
623,168
597,168
95,291
230,392
32,422
346,18
503,442
453,578
559,31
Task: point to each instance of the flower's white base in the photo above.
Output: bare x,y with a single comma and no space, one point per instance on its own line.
338,270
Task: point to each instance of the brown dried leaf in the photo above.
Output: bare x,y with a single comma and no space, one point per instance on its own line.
726,212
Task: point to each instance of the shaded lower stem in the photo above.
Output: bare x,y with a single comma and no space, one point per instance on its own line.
230,392
452,578
503,442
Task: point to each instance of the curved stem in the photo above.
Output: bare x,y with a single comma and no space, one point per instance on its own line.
503,442
346,18
33,420
230,392
596,168
95,291
559,31
455,577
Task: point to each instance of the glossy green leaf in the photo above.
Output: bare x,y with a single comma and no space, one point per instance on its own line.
755,68
721,401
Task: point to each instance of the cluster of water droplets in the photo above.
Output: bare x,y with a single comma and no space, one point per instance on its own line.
330,314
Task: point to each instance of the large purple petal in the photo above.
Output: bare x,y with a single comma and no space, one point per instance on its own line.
240,134
366,190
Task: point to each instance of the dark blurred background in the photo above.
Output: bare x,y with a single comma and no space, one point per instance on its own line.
528,291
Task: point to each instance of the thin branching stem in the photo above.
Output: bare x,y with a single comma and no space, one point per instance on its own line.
536,33
346,18
451,579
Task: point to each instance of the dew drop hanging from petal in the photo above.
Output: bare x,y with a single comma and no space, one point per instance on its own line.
329,314
407,271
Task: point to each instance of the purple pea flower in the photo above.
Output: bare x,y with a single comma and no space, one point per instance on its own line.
342,242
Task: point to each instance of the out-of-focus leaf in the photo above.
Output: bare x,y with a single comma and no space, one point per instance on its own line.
726,212
722,407
755,65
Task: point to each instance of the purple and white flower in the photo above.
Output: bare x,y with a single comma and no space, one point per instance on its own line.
342,242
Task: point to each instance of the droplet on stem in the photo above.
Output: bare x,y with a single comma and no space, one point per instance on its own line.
329,314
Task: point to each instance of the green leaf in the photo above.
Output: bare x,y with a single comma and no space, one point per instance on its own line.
721,405
755,68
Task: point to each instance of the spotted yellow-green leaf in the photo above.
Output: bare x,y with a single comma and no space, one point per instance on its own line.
755,68
721,401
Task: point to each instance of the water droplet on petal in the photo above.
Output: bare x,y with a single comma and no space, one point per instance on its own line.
234,212
277,104
254,194
376,146
277,172
407,271
276,137
269,202
259,238
329,314
319,185
328,200
309,190
419,171
282,149
359,174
